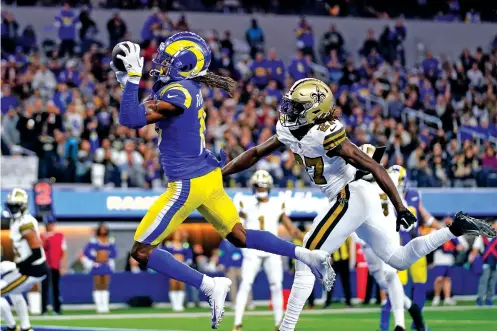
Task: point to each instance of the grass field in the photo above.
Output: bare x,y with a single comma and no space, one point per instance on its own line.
463,318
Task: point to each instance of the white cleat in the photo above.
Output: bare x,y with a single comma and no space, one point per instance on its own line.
217,299
320,265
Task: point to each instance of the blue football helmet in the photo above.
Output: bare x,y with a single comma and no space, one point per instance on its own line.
184,55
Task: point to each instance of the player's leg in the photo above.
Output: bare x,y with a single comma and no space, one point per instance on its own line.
273,266
219,210
419,275
163,217
439,273
250,267
329,230
387,279
22,310
7,316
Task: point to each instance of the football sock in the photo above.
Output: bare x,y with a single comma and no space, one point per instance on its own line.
406,255
419,294
396,295
164,263
22,310
277,300
268,242
174,300
241,301
385,316
302,287
7,313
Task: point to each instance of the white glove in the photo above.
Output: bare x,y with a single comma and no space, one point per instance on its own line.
132,60
121,76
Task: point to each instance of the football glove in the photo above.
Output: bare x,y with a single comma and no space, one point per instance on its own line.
132,60
121,76
405,219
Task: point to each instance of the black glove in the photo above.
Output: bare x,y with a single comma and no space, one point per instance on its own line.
405,218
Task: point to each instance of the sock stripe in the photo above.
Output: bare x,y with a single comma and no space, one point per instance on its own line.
330,220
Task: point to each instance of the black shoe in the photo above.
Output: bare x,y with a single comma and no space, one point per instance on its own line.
463,224
15,328
417,317
399,328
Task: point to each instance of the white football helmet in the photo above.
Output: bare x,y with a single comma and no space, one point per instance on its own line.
17,202
262,182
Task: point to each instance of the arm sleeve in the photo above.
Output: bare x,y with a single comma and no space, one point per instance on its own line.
131,113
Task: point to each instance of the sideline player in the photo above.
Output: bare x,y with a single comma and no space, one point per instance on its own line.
263,213
195,181
30,267
386,276
318,140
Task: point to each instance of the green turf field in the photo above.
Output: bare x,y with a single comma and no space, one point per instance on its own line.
464,318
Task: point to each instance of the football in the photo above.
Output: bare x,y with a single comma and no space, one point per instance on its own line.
115,52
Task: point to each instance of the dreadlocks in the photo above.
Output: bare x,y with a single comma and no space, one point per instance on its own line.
212,80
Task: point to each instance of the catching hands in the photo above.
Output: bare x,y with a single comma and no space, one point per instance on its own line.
121,76
132,60
405,219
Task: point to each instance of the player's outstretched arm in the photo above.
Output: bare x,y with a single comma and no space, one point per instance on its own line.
353,155
251,156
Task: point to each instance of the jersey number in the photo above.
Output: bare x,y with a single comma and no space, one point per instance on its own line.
318,166
201,118
261,222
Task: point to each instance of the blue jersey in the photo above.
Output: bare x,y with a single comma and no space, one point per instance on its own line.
182,138
413,199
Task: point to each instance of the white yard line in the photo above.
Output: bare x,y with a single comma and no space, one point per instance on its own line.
249,313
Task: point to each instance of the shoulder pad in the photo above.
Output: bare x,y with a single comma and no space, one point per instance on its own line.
334,134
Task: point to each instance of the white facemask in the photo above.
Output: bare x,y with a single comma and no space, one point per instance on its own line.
261,195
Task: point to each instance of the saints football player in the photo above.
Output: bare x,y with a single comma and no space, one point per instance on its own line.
308,126
262,212
30,267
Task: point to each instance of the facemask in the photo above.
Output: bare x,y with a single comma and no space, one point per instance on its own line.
261,195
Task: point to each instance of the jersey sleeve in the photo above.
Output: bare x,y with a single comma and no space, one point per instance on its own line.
27,225
334,134
284,208
176,94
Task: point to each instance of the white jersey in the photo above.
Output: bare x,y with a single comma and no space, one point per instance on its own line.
18,228
329,173
262,215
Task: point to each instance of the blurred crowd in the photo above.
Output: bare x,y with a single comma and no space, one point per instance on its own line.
60,101
447,10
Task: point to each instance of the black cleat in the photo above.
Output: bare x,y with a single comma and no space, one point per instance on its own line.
417,317
15,328
399,328
464,224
